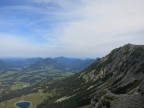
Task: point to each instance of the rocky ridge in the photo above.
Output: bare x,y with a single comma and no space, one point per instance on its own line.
123,74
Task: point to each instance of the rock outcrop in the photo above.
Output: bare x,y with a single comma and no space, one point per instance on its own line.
110,100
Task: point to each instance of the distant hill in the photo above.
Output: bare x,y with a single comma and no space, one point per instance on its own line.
115,81
60,63
19,63
3,65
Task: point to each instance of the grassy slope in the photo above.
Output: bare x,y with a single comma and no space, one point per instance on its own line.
35,98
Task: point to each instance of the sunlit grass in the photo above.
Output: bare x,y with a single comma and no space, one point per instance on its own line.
34,98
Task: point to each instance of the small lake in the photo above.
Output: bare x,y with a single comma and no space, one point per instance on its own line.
24,104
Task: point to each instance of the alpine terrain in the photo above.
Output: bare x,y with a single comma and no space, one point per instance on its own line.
114,81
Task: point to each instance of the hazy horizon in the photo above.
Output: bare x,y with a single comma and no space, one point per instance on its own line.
23,58
73,57
69,28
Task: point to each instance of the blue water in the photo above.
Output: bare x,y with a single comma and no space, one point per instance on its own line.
23,104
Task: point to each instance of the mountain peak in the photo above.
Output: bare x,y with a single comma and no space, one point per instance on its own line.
129,45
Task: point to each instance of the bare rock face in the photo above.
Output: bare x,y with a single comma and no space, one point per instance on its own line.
121,78
103,99
128,101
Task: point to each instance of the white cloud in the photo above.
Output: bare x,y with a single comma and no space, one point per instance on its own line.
12,46
84,28
104,24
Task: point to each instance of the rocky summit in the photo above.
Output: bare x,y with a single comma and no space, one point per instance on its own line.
114,81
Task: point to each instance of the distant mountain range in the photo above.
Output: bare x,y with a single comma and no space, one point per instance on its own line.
114,81
60,63
40,64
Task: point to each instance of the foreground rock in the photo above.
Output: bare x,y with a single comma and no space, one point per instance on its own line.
110,100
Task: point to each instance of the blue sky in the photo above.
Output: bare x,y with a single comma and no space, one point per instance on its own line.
72,28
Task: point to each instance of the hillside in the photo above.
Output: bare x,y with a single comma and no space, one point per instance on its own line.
115,81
